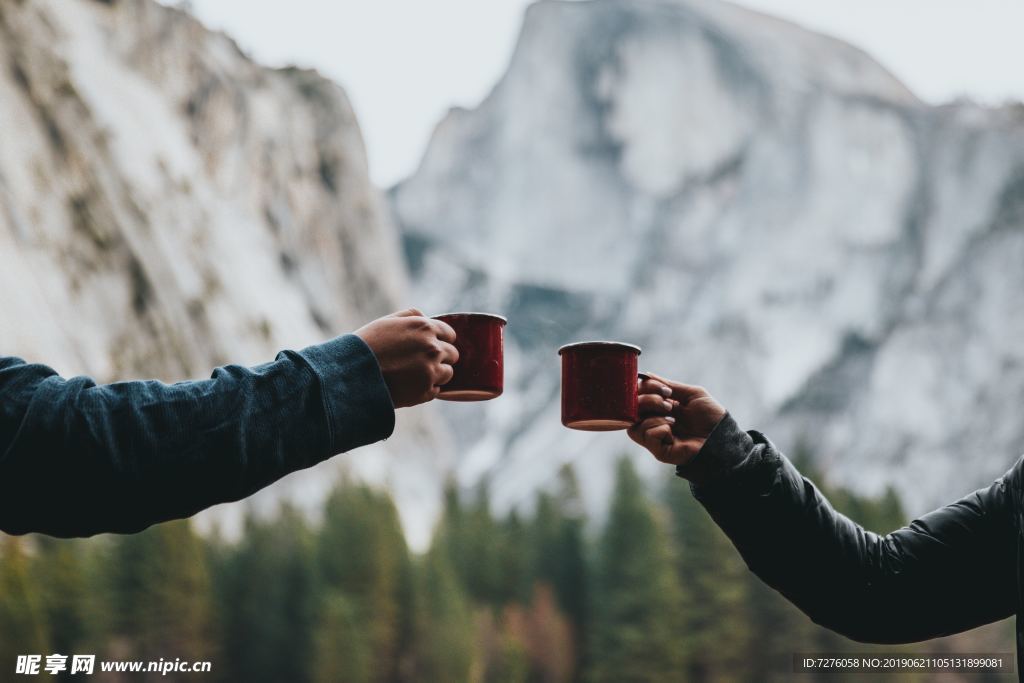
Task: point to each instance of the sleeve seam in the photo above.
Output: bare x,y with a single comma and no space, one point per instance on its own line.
324,400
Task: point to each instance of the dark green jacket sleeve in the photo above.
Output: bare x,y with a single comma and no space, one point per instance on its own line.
78,459
946,572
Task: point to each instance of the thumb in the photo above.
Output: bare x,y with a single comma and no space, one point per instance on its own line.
407,313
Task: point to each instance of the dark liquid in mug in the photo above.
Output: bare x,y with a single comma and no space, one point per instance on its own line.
480,370
599,386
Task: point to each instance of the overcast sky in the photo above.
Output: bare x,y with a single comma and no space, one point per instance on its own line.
405,62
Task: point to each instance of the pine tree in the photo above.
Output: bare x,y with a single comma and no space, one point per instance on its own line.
22,610
444,632
637,601
777,629
161,592
59,569
362,555
571,576
885,513
500,654
545,634
515,560
268,596
715,626
558,547
474,545
478,564
343,652
546,538
511,665
452,531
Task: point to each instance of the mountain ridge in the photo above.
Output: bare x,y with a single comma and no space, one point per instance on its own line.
784,223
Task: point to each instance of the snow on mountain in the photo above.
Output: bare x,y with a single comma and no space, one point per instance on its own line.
767,211
166,206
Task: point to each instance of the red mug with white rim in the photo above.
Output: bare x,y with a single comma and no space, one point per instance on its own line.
480,370
599,385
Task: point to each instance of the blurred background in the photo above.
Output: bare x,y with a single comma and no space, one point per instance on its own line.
816,213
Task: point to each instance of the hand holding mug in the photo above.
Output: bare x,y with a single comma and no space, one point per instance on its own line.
415,354
675,419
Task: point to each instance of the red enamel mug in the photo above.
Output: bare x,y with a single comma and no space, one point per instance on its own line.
480,370
599,385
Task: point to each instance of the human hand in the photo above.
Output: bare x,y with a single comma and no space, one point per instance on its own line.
415,354
675,419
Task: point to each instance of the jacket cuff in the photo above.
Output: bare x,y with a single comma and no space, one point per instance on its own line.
725,448
357,401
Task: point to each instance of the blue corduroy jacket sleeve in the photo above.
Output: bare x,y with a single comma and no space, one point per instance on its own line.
77,458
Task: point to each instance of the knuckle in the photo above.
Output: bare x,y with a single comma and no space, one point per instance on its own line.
427,344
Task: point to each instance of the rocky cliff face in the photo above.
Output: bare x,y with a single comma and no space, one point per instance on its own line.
766,211
166,205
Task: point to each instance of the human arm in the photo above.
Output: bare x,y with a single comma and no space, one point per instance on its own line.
947,571
78,458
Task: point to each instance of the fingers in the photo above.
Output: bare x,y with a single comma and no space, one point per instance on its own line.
654,404
449,354
652,386
407,313
658,440
684,393
440,352
444,375
648,423
636,433
656,435
432,390
639,431
444,331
